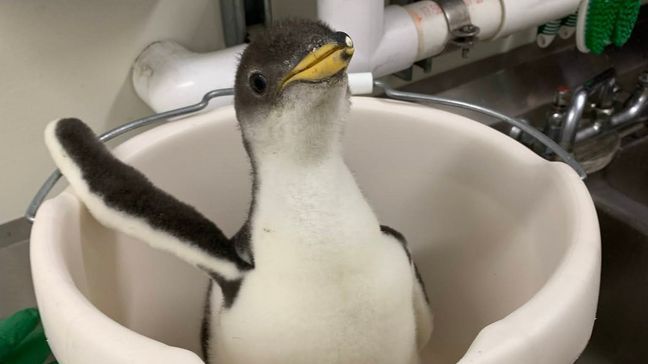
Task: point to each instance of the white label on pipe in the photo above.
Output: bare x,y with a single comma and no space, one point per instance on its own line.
431,26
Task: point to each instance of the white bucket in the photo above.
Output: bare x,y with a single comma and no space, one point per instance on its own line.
507,243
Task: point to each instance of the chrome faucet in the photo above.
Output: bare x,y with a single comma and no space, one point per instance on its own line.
596,95
632,112
601,88
636,105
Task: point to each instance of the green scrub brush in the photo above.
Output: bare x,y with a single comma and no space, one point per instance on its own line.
595,25
603,22
628,11
22,339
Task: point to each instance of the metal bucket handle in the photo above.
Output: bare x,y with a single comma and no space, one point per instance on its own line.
163,117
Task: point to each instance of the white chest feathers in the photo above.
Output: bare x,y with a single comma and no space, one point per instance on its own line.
328,286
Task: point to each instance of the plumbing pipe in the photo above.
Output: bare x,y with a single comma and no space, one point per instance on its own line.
361,83
634,108
487,15
398,46
166,76
431,30
522,14
362,20
387,40
572,119
393,38
601,85
636,105
589,131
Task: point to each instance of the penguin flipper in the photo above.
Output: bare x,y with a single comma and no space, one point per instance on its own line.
422,311
122,198
421,303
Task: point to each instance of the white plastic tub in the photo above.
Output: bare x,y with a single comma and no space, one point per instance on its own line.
507,243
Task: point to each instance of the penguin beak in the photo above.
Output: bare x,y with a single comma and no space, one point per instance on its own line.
324,62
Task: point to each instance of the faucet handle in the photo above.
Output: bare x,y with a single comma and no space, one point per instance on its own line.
599,80
602,88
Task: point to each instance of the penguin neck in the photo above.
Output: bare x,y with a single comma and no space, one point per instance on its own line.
321,197
279,168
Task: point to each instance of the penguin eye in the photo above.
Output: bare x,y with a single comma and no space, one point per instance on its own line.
258,83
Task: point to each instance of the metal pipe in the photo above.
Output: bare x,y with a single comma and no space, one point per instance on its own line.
589,132
233,19
47,186
572,119
634,107
545,140
601,85
636,104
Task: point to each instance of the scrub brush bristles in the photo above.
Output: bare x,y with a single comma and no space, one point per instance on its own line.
603,22
627,13
601,16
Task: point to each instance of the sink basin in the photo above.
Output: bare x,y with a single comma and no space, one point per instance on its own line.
621,195
522,83
620,333
507,242
628,173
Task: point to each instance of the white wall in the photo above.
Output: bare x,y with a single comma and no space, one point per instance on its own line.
72,58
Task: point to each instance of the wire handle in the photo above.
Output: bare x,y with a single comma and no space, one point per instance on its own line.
47,186
162,117
535,133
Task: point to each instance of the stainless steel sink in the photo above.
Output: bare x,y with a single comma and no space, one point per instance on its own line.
522,83
621,195
628,173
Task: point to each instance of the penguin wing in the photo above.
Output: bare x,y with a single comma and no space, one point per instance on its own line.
422,311
122,198
421,303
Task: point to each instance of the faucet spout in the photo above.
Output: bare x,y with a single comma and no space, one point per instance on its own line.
601,86
636,105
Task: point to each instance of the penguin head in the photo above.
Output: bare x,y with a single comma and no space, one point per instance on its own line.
291,86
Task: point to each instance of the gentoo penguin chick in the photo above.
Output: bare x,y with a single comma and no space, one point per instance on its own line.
312,276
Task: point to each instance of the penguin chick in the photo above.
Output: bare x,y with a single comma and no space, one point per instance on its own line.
312,276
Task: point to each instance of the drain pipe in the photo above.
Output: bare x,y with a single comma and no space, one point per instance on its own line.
388,39
167,76
392,38
519,15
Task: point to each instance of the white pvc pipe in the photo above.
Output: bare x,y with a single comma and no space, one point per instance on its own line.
361,83
167,76
523,14
362,20
398,47
387,40
487,15
391,39
431,28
